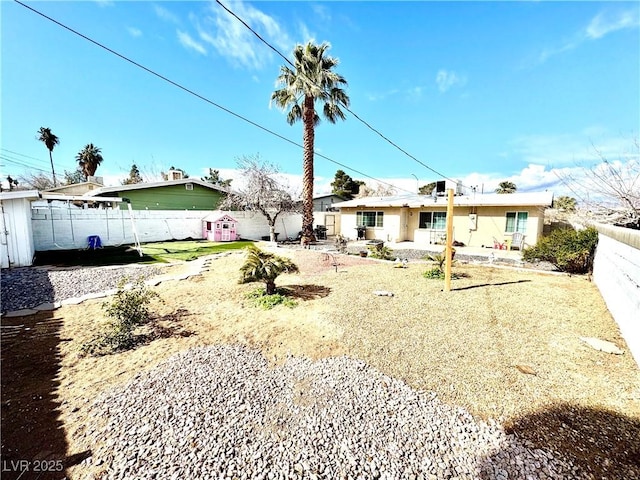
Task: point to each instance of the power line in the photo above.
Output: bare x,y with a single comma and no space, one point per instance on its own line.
197,95
25,156
367,124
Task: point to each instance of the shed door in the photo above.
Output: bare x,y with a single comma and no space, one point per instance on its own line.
226,232
330,223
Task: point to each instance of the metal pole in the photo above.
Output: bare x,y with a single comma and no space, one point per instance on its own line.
449,248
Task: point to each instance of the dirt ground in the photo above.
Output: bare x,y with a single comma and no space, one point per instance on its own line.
504,343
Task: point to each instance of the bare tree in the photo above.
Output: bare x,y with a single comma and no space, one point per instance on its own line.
262,192
37,181
609,190
379,191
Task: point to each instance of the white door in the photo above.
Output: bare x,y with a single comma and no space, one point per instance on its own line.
330,223
226,233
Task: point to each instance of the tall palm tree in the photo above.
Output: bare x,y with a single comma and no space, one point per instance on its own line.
89,158
313,79
50,140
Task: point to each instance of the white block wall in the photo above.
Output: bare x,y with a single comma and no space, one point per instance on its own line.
68,228
616,272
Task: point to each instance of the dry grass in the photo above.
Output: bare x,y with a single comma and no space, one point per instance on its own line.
466,344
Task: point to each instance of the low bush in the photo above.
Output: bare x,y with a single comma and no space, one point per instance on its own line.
260,299
569,250
128,310
380,252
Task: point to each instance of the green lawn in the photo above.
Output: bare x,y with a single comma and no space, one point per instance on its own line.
159,252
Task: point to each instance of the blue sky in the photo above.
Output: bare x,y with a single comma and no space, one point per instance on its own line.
478,91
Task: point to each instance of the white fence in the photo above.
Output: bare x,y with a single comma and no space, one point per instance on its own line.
616,272
69,228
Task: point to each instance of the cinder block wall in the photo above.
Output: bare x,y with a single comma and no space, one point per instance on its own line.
616,272
68,228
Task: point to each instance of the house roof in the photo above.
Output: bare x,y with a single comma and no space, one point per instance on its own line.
478,200
329,195
74,185
143,186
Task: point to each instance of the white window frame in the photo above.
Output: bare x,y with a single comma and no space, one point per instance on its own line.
378,217
431,223
520,220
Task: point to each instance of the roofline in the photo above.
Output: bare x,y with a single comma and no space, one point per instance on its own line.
142,186
82,198
16,194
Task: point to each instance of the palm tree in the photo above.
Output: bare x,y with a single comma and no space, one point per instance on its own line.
88,159
506,187
50,140
261,266
313,79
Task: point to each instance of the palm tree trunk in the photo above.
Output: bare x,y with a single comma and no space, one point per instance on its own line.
52,170
270,287
308,137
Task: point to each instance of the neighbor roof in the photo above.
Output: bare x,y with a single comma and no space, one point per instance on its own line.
477,200
142,186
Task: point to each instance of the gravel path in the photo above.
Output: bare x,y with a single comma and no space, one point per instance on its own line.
29,287
221,412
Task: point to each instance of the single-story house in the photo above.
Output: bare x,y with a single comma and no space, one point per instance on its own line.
324,203
478,219
180,194
92,183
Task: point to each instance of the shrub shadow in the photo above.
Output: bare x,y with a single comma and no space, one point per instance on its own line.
32,432
307,292
600,442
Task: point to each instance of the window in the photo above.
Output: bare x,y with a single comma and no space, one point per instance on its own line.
369,219
516,222
188,186
433,220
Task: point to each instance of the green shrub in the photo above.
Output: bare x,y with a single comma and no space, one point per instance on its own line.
380,252
260,299
127,310
434,273
568,250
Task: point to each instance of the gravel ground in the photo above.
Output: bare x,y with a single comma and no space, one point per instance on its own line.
221,412
28,287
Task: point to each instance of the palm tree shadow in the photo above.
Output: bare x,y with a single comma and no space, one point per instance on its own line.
490,285
31,428
601,443
307,292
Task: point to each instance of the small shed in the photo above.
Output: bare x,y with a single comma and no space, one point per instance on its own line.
16,235
224,229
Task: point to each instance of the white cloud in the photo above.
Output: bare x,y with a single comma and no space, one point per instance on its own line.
605,23
189,43
166,15
134,32
601,25
448,79
234,41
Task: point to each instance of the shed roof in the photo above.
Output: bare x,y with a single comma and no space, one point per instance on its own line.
478,200
32,194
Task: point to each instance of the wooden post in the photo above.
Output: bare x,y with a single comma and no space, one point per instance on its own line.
449,248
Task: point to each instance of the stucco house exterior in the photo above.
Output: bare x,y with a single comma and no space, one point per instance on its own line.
180,194
92,183
478,219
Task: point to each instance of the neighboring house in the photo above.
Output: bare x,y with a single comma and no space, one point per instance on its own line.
478,219
324,203
181,194
93,183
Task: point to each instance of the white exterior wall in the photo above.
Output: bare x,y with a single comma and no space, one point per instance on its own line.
16,240
68,228
616,272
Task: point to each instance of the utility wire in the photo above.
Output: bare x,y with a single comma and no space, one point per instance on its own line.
197,95
367,124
